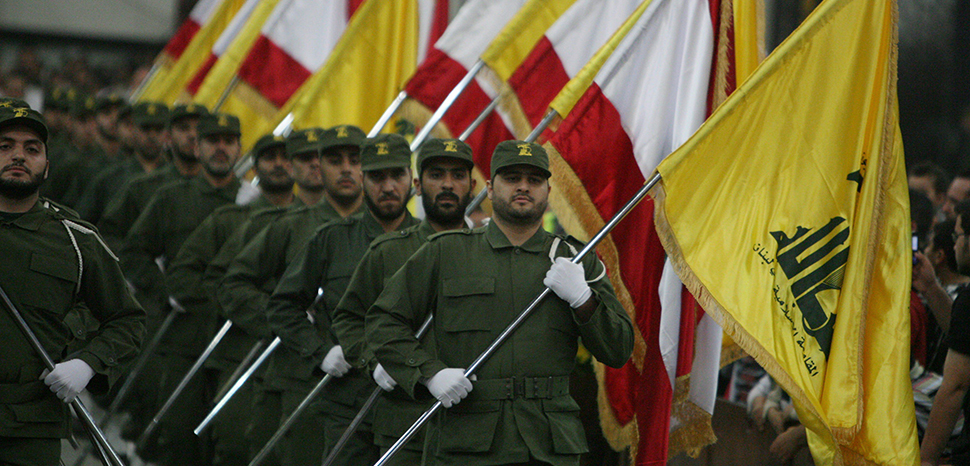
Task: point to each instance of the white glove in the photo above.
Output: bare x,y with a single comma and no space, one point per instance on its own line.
334,363
450,386
68,378
568,281
383,379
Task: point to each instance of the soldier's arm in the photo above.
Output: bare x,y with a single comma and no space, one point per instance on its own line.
390,324
295,292
184,274
143,245
348,317
216,270
241,293
122,321
606,330
113,226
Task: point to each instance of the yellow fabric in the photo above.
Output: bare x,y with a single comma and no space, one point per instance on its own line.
219,79
796,185
516,40
167,86
577,86
364,73
749,24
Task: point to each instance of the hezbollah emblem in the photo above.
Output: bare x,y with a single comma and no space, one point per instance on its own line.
382,148
342,132
451,146
223,121
311,136
525,150
814,261
20,113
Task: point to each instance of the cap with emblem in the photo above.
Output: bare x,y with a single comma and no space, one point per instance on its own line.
304,140
508,153
24,116
107,102
186,110
267,142
342,135
83,107
385,151
453,148
149,114
10,102
218,123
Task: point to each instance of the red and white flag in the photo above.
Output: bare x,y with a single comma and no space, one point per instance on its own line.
198,17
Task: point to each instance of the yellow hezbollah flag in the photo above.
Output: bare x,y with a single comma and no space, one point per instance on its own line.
786,215
366,70
167,87
516,40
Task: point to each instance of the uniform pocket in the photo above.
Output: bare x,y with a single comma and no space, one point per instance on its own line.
462,303
48,409
468,427
568,436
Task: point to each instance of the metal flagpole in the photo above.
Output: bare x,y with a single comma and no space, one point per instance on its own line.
446,104
225,93
388,113
146,435
110,458
136,94
518,320
345,437
240,369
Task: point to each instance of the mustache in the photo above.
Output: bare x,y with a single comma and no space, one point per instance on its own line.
389,197
20,165
446,196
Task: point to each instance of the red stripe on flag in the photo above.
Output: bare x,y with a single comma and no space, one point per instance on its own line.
438,23
538,80
432,82
352,6
593,142
177,44
272,71
200,75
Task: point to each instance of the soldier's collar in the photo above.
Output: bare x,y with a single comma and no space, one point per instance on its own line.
425,229
32,219
498,240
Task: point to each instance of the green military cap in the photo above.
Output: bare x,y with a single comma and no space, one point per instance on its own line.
385,151
508,153
25,116
106,102
267,142
61,98
149,114
304,140
453,148
218,123
186,110
10,102
83,106
342,135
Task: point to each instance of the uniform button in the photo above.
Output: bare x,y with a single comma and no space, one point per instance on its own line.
518,251
411,361
80,333
111,359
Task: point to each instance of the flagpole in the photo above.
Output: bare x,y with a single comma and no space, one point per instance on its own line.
518,320
446,104
240,369
143,439
388,113
136,94
225,93
546,121
109,456
249,372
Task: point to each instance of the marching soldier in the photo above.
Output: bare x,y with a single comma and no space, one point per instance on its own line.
51,264
254,272
445,183
185,280
475,283
172,214
327,263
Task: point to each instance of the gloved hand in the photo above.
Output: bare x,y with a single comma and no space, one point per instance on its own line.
450,386
334,363
383,379
68,378
568,281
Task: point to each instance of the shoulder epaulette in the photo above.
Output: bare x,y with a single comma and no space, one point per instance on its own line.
463,231
391,236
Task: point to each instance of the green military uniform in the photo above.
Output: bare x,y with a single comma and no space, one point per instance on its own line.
395,411
244,291
327,263
51,265
475,283
172,214
131,200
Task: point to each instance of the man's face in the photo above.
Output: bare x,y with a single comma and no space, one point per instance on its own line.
185,137
218,153
924,184
445,186
959,190
519,194
273,169
150,140
305,170
84,130
961,247
387,192
107,120
341,173
23,162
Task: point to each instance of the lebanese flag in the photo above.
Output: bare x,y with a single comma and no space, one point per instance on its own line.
642,95
529,81
447,62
